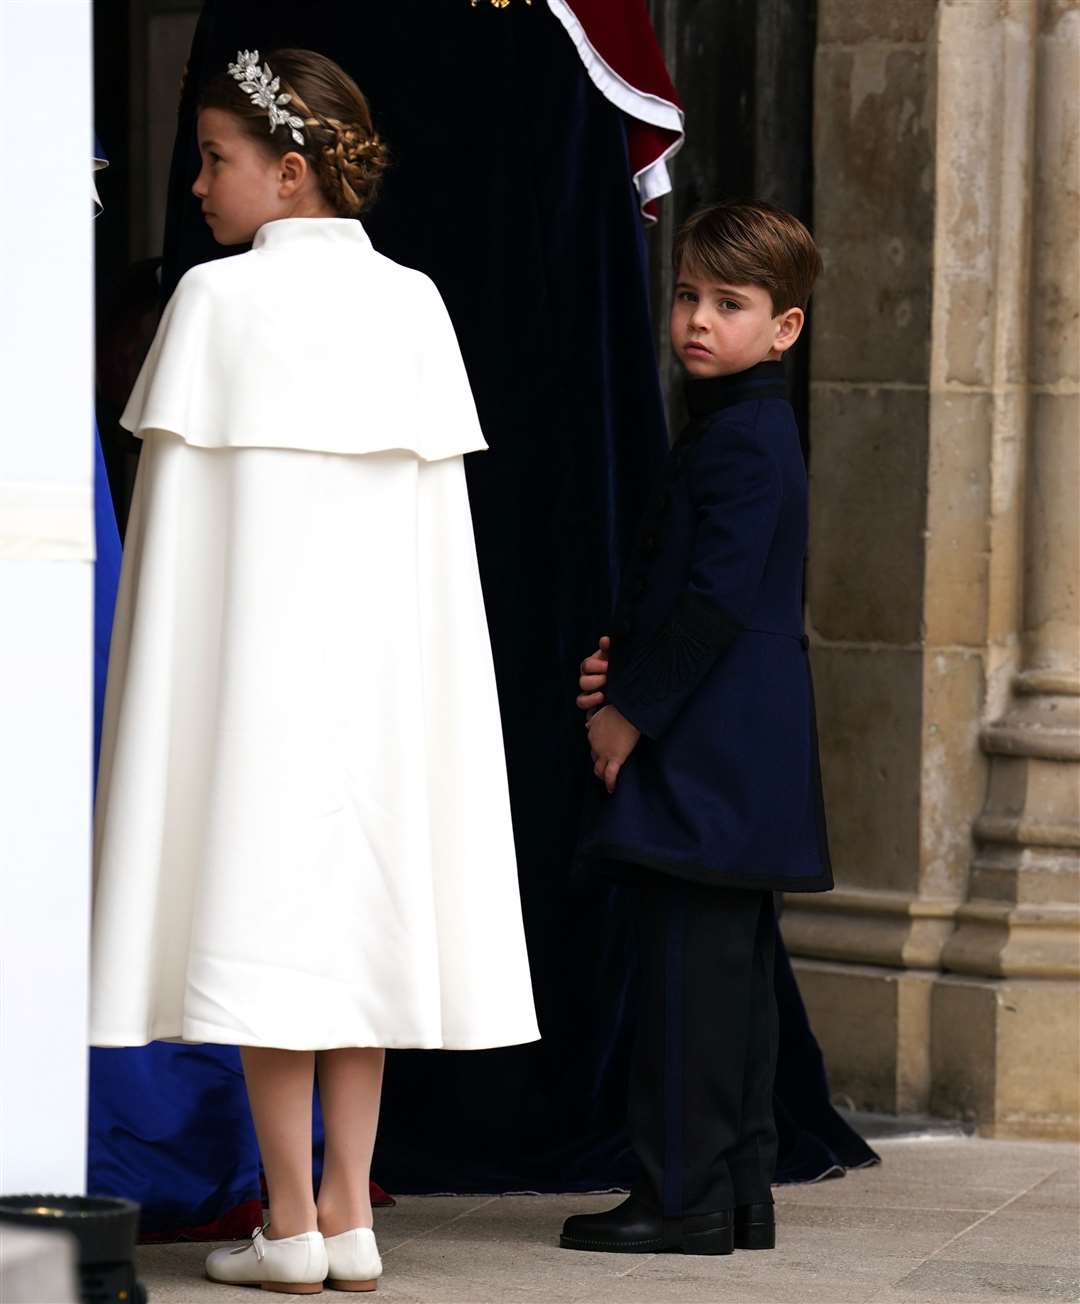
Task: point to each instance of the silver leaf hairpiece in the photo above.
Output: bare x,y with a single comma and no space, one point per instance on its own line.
263,89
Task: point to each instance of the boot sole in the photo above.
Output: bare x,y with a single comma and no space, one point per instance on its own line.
720,1241
654,1246
339,1284
756,1238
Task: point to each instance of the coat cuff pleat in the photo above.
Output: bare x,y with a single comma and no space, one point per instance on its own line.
652,685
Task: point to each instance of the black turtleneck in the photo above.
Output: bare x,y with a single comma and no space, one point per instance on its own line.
764,380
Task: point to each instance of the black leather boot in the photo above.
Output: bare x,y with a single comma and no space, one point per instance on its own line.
755,1227
632,1228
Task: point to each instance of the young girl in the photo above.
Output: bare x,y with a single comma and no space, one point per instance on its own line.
304,844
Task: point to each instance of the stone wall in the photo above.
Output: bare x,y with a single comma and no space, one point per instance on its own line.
942,974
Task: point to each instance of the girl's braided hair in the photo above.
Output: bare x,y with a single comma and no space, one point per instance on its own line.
340,142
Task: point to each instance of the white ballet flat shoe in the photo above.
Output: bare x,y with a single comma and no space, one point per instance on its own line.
354,1260
294,1265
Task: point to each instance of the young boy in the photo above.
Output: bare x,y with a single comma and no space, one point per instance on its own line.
701,726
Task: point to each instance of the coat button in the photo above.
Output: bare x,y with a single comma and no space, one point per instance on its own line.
665,501
641,586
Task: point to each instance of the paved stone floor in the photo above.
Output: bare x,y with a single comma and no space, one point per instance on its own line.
944,1220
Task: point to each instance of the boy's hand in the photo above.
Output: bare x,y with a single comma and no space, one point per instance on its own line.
611,740
593,678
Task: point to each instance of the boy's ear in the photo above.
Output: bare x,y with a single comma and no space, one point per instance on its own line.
788,329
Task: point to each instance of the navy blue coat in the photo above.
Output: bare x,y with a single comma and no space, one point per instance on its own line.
709,659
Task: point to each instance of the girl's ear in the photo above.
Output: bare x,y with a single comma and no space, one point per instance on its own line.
292,171
788,328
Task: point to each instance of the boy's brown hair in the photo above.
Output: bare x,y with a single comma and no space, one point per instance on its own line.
751,243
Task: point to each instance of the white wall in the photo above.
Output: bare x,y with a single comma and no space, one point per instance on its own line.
46,591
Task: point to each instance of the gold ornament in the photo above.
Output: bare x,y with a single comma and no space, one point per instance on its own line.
499,4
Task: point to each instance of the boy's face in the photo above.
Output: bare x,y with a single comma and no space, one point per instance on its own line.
719,329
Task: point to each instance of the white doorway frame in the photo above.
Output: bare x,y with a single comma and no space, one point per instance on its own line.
46,592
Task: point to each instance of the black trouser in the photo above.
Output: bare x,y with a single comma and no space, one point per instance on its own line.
700,1109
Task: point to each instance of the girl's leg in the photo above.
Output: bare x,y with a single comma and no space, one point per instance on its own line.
280,1084
350,1084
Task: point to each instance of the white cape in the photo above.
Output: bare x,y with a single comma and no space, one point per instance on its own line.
303,827
312,340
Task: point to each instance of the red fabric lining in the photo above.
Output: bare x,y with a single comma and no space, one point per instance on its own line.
622,35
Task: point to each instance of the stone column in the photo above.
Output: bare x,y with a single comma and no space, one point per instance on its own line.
871,948
943,560
1020,924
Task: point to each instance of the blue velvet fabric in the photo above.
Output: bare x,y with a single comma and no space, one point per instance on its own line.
170,1128
107,562
106,578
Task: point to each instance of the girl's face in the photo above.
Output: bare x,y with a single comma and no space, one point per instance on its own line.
240,186
718,330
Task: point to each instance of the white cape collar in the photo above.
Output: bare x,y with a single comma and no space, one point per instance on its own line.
311,231
314,341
